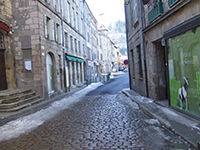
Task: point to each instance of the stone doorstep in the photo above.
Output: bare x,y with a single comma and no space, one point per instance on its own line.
18,103
23,106
9,93
17,98
13,100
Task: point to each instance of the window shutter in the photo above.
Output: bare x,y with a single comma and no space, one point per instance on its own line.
51,33
45,26
59,35
48,1
56,32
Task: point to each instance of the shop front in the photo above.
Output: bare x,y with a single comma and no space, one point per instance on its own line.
183,57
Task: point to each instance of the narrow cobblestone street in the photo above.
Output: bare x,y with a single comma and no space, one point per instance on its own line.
98,122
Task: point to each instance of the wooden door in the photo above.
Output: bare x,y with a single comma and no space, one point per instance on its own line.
3,83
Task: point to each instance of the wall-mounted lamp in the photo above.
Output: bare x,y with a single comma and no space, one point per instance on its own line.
11,29
127,2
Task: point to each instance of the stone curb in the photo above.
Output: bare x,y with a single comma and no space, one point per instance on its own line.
150,114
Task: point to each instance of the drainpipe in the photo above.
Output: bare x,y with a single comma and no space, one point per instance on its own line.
64,71
127,46
85,33
143,46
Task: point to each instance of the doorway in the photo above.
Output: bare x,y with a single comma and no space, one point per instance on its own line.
161,88
50,74
3,83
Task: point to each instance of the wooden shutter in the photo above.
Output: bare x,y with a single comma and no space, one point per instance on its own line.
45,26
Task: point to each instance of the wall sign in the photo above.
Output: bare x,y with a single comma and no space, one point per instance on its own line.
27,65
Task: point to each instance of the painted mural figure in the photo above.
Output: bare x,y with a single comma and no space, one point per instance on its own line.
183,93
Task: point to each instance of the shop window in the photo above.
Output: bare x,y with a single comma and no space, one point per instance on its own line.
184,71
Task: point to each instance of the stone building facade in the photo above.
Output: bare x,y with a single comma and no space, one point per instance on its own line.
169,42
7,76
107,50
138,78
92,49
42,45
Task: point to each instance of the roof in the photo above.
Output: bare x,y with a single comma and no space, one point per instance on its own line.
102,27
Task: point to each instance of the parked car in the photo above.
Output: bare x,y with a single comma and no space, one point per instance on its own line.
114,70
122,68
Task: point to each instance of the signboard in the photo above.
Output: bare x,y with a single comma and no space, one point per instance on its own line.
126,62
27,64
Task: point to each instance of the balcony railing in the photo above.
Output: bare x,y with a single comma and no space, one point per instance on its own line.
156,11
171,2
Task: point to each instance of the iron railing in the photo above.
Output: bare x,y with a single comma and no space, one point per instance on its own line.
156,11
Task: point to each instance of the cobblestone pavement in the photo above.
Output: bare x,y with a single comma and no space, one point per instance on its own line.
98,122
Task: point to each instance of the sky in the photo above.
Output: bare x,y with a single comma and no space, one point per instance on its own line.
107,11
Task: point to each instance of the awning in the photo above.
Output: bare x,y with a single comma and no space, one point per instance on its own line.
73,58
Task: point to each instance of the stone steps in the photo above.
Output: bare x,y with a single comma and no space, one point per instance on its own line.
17,99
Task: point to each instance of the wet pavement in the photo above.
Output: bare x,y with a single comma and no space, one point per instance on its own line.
98,122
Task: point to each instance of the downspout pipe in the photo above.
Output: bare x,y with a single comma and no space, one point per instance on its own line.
143,47
127,46
64,71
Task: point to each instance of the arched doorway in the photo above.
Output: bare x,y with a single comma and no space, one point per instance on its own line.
3,83
50,74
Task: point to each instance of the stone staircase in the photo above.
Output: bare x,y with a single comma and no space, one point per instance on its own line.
14,100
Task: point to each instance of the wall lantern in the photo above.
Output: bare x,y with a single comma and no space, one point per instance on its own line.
127,2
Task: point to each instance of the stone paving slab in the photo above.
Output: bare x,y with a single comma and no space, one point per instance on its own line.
99,122
185,127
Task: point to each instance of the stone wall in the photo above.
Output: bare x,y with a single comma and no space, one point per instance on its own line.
154,33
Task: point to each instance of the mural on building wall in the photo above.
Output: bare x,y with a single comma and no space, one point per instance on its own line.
184,71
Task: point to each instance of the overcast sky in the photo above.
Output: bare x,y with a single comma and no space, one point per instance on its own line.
107,11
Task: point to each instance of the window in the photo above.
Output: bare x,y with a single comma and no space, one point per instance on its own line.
88,53
71,44
88,35
134,12
48,1
66,40
81,26
56,29
139,61
79,46
68,12
75,43
58,33
133,63
73,18
49,28
83,49
77,22
57,5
